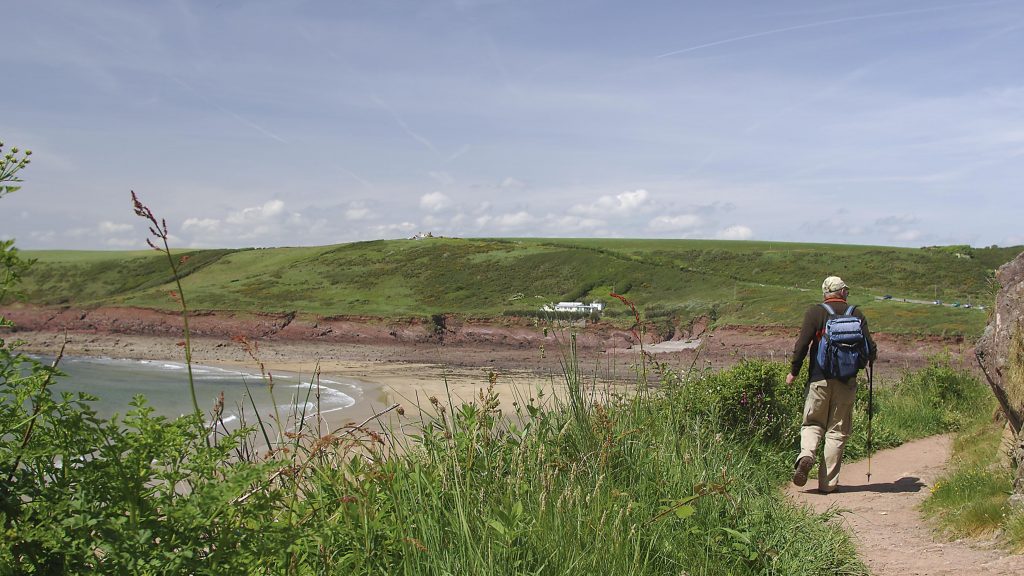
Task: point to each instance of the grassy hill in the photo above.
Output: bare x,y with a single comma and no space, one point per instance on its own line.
735,283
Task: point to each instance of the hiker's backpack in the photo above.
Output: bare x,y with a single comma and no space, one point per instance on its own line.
843,348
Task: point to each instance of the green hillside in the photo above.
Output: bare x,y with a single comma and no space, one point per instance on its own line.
744,283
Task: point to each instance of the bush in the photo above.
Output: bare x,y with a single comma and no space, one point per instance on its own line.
750,399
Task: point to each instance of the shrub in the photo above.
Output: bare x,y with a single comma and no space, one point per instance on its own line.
749,399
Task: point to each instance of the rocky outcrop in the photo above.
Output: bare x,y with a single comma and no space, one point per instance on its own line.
1000,352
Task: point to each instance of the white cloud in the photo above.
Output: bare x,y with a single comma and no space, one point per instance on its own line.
122,243
442,178
902,229
571,223
268,223
202,224
907,235
510,183
620,204
105,233
737,232
679,222
268,211
434,201
43,236
357,211
107,227
392,229
513,220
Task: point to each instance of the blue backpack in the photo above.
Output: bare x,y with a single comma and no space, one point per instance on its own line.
843,348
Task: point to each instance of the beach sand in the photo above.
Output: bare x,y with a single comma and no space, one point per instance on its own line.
410,373
384,380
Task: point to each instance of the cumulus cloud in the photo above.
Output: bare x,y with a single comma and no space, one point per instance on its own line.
357,211
513,220
737,232
122,243
434,201
267,223
268,211
908,235
204,224
677,223
569,223
388,230
106,233
107,227
902,229
442,178
617,205
511,183
509,221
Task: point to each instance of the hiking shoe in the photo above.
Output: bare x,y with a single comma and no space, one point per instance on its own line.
803,467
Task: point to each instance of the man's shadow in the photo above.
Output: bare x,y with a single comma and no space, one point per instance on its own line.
904,484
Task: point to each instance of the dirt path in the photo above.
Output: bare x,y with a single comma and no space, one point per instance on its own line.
882,515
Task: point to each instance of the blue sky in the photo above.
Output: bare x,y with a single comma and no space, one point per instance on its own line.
285,122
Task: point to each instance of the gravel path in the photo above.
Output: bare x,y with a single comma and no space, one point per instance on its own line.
892,537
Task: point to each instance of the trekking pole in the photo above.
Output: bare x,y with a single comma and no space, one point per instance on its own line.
871,411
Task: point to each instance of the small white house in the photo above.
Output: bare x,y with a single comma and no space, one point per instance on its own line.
577,307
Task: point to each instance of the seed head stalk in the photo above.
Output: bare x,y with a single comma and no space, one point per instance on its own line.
159,230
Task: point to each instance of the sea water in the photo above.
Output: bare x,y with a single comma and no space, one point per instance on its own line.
165,386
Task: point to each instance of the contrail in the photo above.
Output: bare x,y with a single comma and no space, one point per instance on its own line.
824,23
401,123
305,33
238,117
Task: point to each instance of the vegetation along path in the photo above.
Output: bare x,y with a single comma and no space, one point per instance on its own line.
883,515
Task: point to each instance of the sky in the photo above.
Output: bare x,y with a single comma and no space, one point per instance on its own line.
299,123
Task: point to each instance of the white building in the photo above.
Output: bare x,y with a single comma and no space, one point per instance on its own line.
577,307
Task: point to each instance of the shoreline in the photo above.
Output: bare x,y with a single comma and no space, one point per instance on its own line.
409,373
382,379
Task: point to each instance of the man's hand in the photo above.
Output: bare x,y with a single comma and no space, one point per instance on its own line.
790,378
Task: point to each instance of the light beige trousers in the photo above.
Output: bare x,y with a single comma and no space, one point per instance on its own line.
828,411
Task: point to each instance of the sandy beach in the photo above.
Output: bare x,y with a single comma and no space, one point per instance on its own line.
410,372
383,379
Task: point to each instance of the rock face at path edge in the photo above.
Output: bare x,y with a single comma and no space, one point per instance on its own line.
997,347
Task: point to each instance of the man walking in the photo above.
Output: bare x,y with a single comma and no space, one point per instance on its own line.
828,409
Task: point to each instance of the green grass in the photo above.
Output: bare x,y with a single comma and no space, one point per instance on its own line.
672,281
972,498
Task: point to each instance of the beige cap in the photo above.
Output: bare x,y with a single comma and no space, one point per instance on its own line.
832,284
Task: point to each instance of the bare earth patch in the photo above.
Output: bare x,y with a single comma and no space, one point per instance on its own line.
892,538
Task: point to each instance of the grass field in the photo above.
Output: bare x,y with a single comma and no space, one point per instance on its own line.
672,281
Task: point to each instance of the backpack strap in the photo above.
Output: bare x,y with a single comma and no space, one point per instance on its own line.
849,311
831,312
